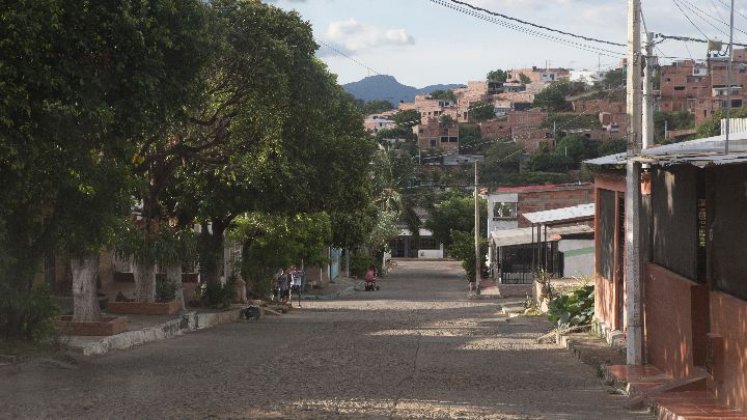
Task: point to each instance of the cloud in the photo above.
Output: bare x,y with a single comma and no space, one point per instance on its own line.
353,36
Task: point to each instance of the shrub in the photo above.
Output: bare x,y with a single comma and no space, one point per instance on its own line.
218,295
165,290
574,309
359,265
27,315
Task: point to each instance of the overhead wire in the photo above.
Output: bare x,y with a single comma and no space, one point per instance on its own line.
677,4
337,51
490,17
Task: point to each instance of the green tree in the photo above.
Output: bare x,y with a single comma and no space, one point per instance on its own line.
523,78
502,162
376,106
408,119
577,148
454,212
553,97
463,249
82,83
613,146
497,75
550,162
447,95
481,111
673,121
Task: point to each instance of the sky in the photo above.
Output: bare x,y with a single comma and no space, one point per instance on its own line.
420,42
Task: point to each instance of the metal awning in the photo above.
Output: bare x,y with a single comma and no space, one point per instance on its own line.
523,236
562,215
701,152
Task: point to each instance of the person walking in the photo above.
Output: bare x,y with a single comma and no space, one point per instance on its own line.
276,285
284,283
296,283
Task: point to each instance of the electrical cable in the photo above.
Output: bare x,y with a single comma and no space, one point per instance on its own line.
335,50
689,20
489,18
501,15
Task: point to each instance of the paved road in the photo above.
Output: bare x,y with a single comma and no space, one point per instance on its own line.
416,349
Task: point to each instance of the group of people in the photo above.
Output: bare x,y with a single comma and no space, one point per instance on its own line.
286,283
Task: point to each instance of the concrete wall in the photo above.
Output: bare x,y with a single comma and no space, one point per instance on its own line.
729,323
676,321
578,257
431,253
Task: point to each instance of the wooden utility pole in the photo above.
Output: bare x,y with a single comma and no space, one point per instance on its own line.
648,95
729,79
478,264
633,189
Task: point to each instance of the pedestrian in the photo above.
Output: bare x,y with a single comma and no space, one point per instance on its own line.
276,285
296,283
285,285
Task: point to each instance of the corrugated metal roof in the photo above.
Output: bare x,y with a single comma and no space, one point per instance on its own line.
582,211
700,152
523,236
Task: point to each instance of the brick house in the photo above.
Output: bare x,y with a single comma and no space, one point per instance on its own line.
693,273
437,136
701,88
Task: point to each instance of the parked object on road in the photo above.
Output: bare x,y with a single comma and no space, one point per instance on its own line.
251,312
370,279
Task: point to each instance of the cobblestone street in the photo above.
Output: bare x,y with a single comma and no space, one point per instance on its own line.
418,348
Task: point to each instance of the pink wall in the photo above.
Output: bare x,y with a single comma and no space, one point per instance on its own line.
729,322
676,321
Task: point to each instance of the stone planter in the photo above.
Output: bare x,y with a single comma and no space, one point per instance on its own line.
140,308
103,327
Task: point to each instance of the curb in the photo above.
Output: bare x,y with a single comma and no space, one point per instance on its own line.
188,322
329,296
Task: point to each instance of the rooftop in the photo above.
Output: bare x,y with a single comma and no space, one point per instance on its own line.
563,215
523,236
545,187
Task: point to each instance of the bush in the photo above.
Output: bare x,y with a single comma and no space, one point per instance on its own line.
219,296
574,309
359,265
27,315
165,290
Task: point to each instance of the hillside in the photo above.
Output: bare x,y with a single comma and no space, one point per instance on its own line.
388,88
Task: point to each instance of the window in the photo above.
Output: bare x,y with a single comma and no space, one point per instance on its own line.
444,139
428,243
679,88
606,260
504,210
675,219
453,139
433,142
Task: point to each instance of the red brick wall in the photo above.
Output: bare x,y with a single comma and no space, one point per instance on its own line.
729,320
553,199
676,321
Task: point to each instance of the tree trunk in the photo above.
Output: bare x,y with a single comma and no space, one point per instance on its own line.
174,274
145,282
85,298
211,252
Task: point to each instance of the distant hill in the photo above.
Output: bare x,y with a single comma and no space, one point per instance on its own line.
388,88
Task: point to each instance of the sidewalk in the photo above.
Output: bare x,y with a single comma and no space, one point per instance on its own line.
647,386
148,328
341,287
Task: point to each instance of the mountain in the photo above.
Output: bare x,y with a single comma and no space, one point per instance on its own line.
388,88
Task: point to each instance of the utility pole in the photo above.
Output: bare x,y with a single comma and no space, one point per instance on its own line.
478,264
633,189
728,79
648,96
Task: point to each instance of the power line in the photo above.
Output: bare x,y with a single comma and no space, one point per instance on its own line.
472,12
335,50
688,19
538,26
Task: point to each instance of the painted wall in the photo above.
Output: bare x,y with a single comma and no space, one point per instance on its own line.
676,321
729,322
578,257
